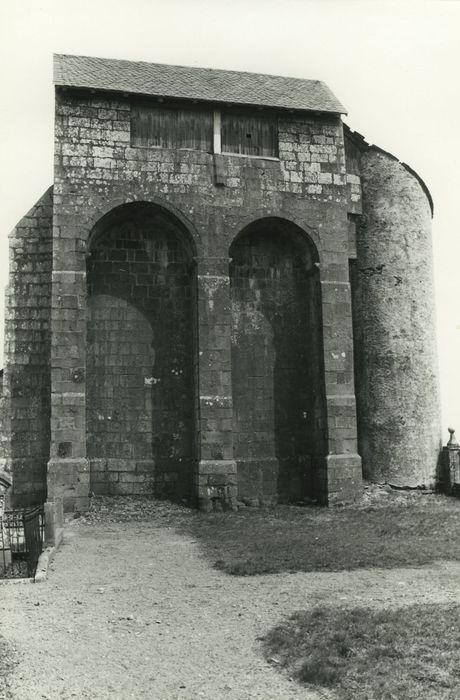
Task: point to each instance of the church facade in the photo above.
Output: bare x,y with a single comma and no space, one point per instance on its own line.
225,295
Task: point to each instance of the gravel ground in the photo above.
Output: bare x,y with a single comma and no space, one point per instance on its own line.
131,609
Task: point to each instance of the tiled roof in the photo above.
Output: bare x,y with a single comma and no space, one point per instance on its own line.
205,84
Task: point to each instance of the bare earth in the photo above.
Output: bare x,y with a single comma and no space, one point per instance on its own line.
133,610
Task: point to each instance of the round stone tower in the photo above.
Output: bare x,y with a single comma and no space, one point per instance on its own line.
394,326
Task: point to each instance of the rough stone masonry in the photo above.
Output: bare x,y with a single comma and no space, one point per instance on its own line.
225,294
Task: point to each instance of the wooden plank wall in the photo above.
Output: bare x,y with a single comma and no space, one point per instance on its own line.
169,127
166,126
248,134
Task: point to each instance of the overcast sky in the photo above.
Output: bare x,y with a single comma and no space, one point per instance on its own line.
394,65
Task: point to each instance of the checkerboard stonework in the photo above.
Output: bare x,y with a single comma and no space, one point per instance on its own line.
225,295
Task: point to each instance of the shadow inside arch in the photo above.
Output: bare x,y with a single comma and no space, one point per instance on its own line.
140,353
157,212
277,361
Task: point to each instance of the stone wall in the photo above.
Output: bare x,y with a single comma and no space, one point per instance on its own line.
277,367
179,322
26,382
395,336
214,198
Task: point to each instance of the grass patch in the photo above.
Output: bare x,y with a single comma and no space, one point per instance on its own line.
290,539
411,652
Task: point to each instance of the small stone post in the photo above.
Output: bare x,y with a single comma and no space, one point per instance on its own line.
54,522
451,465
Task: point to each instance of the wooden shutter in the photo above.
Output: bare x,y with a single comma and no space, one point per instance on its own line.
171,127
249,134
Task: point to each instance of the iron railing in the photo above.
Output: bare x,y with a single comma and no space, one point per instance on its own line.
21,541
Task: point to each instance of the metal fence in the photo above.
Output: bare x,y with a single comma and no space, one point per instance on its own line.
21,541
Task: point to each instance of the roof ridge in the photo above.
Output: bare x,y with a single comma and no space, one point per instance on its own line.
216,85
180,65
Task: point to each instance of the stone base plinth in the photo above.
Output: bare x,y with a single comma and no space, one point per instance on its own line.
68,480
54,522
338,479
271,480
216,485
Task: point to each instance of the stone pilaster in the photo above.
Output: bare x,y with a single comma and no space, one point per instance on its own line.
339,475
216,485
68,470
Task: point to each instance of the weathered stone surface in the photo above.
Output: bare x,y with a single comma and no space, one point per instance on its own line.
395,344
277,382
180,322
25,438
140,355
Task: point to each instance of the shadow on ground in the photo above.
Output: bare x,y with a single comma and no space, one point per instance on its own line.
387,529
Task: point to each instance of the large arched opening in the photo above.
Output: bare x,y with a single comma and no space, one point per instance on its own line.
277,361
140,353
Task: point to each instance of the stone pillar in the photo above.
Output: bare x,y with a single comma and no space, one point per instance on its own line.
68,469
339,476
216,485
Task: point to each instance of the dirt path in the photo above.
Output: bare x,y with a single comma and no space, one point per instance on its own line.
133,610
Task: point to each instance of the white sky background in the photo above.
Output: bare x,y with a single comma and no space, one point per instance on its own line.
395,66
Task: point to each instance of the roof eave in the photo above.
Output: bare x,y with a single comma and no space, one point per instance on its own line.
312,110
